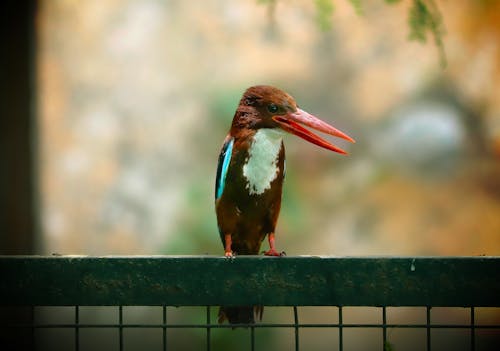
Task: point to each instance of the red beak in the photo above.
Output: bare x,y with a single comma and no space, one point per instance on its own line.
290,123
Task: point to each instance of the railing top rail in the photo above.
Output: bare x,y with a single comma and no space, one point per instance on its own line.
250,280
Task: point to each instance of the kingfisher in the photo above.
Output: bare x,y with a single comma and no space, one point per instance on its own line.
250,175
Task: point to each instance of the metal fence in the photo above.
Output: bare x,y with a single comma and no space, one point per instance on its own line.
321,303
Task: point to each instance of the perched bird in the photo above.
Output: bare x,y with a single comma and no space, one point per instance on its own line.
250,175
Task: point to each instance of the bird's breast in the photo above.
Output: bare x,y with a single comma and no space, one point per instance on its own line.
261,166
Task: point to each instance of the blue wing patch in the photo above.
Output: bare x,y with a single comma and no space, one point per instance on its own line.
222,167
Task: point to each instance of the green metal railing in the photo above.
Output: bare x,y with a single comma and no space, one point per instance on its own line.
207,281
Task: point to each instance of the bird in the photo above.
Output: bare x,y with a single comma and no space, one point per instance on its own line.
250,175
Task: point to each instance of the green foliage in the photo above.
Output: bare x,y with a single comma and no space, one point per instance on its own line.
357,6
325,9
423,17
324,12
419,20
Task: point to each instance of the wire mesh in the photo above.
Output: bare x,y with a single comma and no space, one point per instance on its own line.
73,328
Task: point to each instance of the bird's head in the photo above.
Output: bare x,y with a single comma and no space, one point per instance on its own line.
265,106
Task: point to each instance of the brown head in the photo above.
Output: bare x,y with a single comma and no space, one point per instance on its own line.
264,106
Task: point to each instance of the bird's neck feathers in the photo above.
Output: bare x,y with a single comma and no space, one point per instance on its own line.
246,117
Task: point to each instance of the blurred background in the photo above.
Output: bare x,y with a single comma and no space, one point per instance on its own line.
132,100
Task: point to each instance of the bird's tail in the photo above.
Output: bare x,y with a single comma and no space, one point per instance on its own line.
240,314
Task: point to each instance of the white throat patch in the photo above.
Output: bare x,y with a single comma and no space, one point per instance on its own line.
261,168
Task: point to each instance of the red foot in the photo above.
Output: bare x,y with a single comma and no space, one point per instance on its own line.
272,249
227,247
273,252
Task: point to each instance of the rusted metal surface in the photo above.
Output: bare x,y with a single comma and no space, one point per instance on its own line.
282,281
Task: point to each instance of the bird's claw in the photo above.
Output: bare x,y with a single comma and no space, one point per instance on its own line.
229,255
273,252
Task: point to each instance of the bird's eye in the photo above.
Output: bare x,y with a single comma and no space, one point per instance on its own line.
272,108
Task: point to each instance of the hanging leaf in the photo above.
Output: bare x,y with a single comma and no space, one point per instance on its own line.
324,12
357,6
424,16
